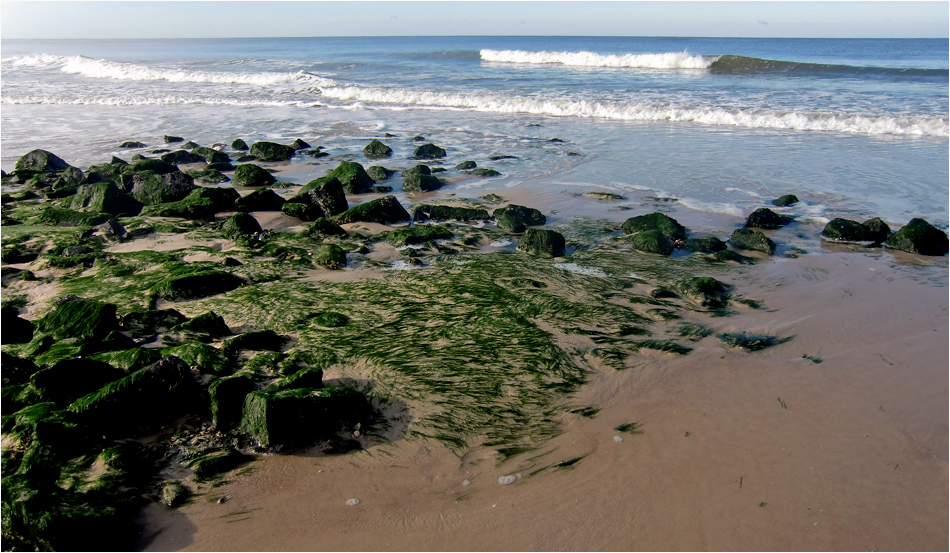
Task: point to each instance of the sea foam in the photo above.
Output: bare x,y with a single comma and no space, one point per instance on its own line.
671,60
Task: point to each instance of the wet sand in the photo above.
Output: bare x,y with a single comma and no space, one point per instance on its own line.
740,450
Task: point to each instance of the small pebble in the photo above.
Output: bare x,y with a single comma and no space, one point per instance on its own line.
618,438
466,482
351,502
505,480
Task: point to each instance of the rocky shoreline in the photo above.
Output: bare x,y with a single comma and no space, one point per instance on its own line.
134,373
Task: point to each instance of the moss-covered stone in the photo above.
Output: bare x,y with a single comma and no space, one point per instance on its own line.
210,155
227,400
156,166
182,156
304,378
301,416
920,237
240,224
425,212
170,139
71,379
751,342
786,200
263,199
330,256
747,239
102,197
194,284
128,360
239,145
203,357
484,173
141,324
133,144
323,227
516,218
542,242
214,462
200,204
208,323
668,226
40,160
15,329
419,179
252,175
14,370
708,244
846,230
351,175
325,195
416,235
259,340
174,494
767,219
70,218
386,210
652,241
428,151
466,165
376,150
706,291
75,317
304,212
150,188
271,151
208,175
141,402
378,172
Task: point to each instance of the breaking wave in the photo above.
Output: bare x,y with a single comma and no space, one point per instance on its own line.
672,60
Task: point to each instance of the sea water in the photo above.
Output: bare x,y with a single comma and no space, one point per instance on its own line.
709,128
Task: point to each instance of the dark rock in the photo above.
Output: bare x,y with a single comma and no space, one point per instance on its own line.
350,174
270,151
231,262
171,139
240,225
246,158
482,172
141,324
786,200
40,160
709,244
263,199
211,155
74,317
227,400
132,144
382,189
110,230
920,237
174,494
420,169
102,197
324,227
420,179
767,219
260,340
200,204
496,158
706,291
71,379
326,195
13,328
299,144
304,212
542,242
208,176
239,145
652,241
160,151
416,235
747,239
428,151
222,199
386,210
11,275
424,212
18,253
378,172
465,165
154,165
198,284
182,156
661,222
117,161
215,462
14,370
418,138
304,378
190,145
846,230
220,166
155,189
301,416
71,176
208,323
69,218
516,218
315,152
878,229
330,256
252,175
376,150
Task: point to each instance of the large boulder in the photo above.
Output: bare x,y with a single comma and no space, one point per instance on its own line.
152,189
271,151
40,161
263,199
351,175
516,218
102,197
668,226
920,237
376,150
428,151
420,179
197,284
252,175
301,416
652,241
767,219
154,165
326,195
378,172
15,329
75,317
874,231
748,239
240,225
227,400
386,210
71,379
542,242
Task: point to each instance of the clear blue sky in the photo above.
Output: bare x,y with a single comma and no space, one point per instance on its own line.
126,19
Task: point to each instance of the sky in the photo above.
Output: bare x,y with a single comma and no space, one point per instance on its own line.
220,19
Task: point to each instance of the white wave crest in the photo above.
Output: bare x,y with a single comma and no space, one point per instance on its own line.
671,60
632,111
147,101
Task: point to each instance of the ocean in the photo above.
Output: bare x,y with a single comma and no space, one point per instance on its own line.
714,127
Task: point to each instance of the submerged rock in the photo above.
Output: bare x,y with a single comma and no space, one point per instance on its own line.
466,165
767,219
542,242
666,225
428,151
299,144
786,200
484,173
169,139
239,145
132,144
874,231
377,149
516,218
706,291
920,237
386,210
747,239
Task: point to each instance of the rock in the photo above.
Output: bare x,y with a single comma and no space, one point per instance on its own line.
301,416
420,179
416,235
325,195
208,323
428,151
418,138
299,144
304,378
747,239
244,158
259,340
200,204
706,291
215,462
482,172
11,275
324,227
141,402
786,200
174,494
350,174
315,152
378,172
542,242
330,256
210,155
197,284
496,158
386,210
304,212
69,218
239,145
767,219
878,229
466,165
668,226
252,175
231,262
154,165
190,145
102,197
874,231
206,359
171,139
71,176
182,156
74,317
424,212
382,189
270,151
117,161
263,199
14,329
142,324
110,230
227,400
652,241
132,144
240,225
376,150
516,218
40,160
208,175
14,370
709,244
920,237
71,379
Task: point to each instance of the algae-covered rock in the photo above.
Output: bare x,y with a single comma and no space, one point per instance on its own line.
71,379
484,173
182,156
751,342
416,235
378,172
325,195
920,237
14,370
785,201
209,323
156,189
170,139
747,239
14,329
652,241
304,378
210,155
324,227
351,175
301,416
428,151
70,218
133,144
259,340
141,324
331,319
386,210
542,242
708,244
424,212
252,175
466,165
239,145
141,402
418,181
156,166
516,218
227,400
668,226
299,144
101,197
75,317
706,291
222,199
240,224
767,219
271,151
174,494
200,204
377,149
206,359
189,285
846,230
263,199
128,360
330,256
302,211
209,175
40,160
215,462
